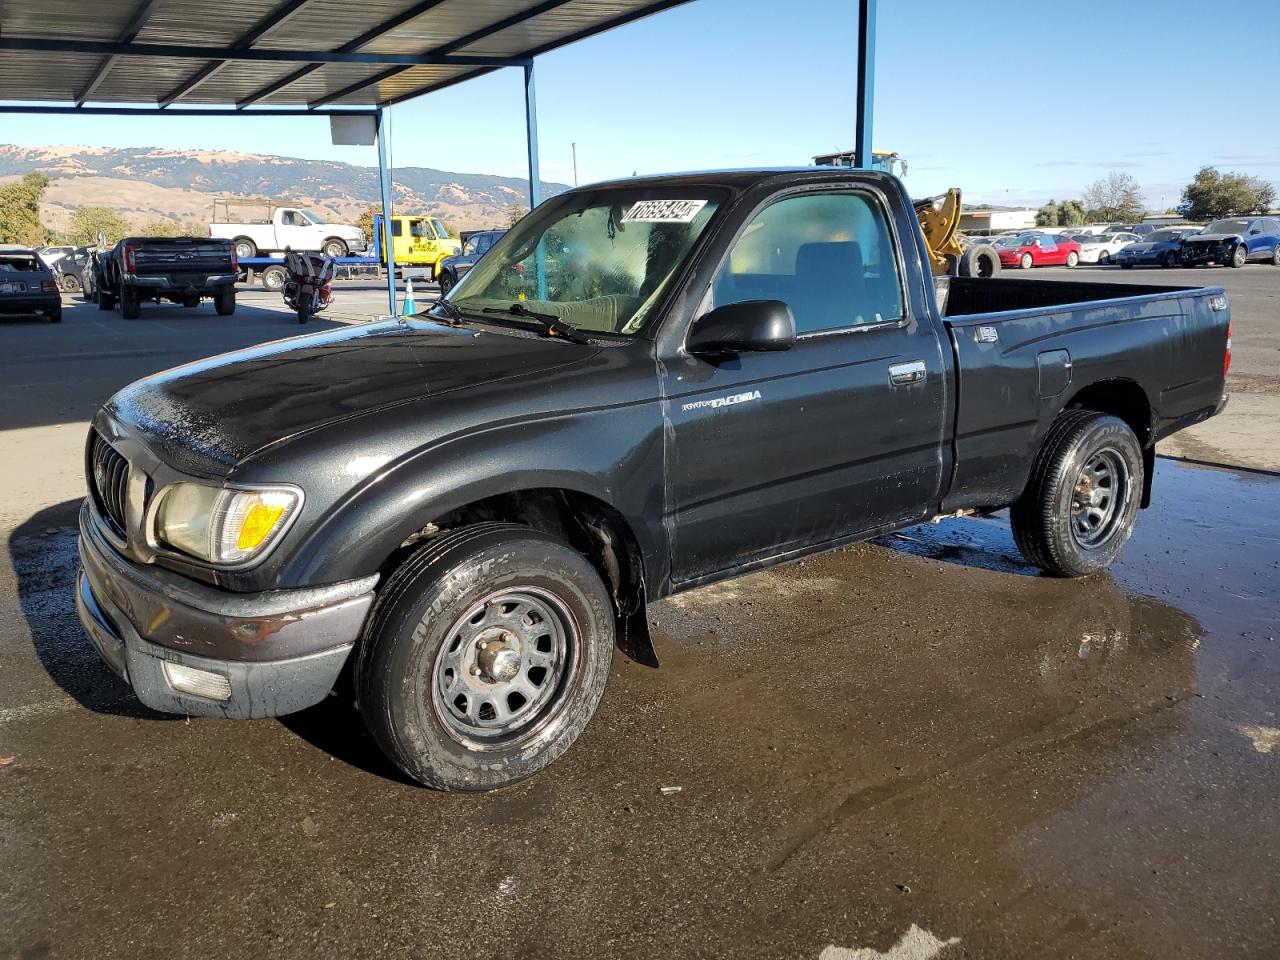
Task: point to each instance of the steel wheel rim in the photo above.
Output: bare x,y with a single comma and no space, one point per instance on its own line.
1099,498
509,690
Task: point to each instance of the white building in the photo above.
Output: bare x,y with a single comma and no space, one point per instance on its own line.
997,219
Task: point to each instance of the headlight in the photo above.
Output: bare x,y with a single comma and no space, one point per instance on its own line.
223,526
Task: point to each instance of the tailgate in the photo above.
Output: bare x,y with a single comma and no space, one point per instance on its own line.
186,257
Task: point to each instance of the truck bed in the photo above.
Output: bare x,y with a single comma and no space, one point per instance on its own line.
1020,361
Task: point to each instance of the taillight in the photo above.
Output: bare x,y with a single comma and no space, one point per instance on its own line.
235,260
1226,357
130,263
47,286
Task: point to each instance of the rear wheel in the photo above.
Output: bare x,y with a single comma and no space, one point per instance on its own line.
1081,502
1104,257
106,300
1025,262
1238,256
224,301
130,304
1073,258
56,316
190,302
484,657
245,248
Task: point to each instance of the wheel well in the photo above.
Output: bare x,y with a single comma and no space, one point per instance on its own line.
1128,401
589,525
1119,398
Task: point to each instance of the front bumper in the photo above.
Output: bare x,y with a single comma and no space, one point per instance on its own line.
280,651
1193,253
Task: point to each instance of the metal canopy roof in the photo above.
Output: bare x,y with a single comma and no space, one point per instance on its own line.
280,53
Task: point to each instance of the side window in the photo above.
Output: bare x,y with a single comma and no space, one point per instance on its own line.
397,228
830,257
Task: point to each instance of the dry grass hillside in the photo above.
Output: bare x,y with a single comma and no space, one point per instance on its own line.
144,185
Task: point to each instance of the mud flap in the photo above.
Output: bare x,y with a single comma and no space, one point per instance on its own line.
1148,475
633,637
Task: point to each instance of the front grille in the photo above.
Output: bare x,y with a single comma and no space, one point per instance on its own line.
109,482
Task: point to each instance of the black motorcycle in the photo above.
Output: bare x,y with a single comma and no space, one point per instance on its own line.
308,287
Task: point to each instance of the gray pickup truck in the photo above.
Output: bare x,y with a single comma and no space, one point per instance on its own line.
645,386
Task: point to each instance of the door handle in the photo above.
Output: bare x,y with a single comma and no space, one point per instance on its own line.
901,374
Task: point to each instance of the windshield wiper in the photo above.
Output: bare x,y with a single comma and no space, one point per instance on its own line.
550,322
452,316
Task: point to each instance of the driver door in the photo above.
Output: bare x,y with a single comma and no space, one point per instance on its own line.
771,453
293,231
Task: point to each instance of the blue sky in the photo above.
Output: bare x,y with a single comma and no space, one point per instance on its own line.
1015,104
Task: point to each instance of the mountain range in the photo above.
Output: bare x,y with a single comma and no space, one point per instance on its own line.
144,184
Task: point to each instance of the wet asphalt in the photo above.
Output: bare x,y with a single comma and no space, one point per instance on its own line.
919,732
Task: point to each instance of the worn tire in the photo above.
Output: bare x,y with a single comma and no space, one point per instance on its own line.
1238,256
224,301
130,303
422,608
979,260
1043,517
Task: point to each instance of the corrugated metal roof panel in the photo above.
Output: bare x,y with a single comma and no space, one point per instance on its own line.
451,26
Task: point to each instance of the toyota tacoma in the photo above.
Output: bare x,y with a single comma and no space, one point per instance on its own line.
644,387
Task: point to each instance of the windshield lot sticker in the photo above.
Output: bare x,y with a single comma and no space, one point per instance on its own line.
718,402
664,211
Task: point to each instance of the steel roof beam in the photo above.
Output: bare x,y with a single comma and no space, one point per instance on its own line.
445,49
351,46
276,18
41,109
141,14
182,52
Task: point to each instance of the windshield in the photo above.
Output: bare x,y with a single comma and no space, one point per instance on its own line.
1227,226
421,228
472,245
598,261
1164,236
441,230
1009,242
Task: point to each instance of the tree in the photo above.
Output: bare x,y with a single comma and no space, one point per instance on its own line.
173,228
88,222
1212,195
20,211
365,220
516,212
1116,198
1069,213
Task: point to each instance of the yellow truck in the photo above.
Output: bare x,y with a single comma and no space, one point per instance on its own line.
417,241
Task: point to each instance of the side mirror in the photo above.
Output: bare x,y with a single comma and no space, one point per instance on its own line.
752,326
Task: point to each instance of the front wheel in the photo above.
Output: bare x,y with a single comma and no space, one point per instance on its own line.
446,282
1275,256
1073,258
1104,258
484,657
1081,503
1026,261
334,248
1238,256
1170,259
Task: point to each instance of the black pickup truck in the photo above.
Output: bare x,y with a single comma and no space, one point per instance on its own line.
643,387
184,270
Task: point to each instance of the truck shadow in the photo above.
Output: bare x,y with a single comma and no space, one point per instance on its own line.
42,552
982,542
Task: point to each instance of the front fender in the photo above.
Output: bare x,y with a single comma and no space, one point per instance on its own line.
614,456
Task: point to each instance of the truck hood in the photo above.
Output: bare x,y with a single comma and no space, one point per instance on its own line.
206,417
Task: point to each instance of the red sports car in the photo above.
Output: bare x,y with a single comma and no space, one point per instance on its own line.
1037,250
